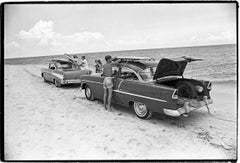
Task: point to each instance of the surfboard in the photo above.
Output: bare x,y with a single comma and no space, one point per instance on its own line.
69,57
133,58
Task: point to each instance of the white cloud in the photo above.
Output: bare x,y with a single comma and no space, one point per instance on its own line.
43,33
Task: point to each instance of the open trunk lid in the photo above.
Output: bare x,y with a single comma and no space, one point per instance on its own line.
172,67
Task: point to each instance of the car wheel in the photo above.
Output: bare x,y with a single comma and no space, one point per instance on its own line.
89,93
186,89
57,83
141,110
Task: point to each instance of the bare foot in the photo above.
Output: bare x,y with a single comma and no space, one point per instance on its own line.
110,109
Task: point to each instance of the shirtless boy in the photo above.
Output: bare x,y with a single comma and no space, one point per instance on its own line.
108,81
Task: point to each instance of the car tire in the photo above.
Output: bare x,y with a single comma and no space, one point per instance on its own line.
186,89
89,93
57,83
141,110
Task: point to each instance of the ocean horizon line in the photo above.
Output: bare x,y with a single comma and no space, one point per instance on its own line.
126,50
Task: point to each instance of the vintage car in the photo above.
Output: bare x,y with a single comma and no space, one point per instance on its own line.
62,71
151,86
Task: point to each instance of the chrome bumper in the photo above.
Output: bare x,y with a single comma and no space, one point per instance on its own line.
70,81
187,107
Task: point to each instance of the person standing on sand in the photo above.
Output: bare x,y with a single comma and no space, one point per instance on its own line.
76,61
108,81
84,64
98,66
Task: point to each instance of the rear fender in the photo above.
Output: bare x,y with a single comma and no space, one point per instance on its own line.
83,85
155,97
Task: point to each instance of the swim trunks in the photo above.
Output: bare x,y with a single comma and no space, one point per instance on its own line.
107,83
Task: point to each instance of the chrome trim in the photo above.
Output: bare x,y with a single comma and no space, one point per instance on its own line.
136,73
118,91
186,108
69,81
173,113
120,84
173,95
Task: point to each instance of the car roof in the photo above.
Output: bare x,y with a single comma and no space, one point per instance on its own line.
60,60
138,65
133,58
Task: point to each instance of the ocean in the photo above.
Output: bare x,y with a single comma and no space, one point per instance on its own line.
219,64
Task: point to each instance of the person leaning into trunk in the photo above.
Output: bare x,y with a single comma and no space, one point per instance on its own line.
108,81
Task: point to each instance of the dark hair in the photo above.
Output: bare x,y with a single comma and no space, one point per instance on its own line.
74,56
99,61
107,57
83,57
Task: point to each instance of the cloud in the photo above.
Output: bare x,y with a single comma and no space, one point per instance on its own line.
43,33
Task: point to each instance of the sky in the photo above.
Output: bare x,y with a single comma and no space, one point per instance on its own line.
52,29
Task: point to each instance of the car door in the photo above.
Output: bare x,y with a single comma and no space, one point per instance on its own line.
98,87
99,84
126,75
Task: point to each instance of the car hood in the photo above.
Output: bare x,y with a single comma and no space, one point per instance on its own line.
172,67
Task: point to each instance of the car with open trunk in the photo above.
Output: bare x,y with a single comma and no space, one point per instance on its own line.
62,71
150,86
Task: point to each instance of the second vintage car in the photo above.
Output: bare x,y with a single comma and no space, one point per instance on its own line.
151,86
62,71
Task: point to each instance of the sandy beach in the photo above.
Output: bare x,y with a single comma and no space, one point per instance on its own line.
42,122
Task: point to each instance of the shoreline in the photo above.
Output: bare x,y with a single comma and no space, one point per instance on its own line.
91,67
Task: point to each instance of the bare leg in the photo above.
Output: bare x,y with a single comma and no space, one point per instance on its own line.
109,98
105,98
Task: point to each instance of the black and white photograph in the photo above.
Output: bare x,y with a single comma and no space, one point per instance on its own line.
120,81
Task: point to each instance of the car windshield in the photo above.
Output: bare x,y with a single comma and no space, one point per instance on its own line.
64,65
148,73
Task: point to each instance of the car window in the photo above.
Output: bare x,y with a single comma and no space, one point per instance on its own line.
128,74
115,71
148,73
64,66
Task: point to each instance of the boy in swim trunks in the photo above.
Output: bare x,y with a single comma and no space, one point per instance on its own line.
108,81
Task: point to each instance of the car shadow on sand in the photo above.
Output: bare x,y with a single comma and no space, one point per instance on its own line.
70,86
157,118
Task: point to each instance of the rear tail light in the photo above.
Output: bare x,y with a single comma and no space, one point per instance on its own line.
209,86
175,94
